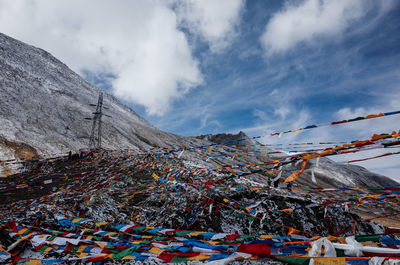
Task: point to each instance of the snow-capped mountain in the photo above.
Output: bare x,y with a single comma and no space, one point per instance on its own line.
43,106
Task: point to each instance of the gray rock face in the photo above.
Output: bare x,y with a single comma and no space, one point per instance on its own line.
43,104
224,137
331,174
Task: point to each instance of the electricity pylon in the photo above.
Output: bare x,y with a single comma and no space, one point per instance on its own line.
96,122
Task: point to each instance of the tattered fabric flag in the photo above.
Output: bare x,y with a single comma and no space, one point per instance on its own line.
330,261
34,262
296,174
279,175
293,231
374,196
313,176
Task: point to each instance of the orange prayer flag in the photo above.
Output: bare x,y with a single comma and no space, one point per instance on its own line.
374,116
296,174
293,231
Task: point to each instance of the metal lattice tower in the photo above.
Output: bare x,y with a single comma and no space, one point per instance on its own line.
96,121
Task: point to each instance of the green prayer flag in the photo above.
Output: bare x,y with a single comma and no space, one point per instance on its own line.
179,259
295,261
140,228
126,252
23,260
183,233
43,249
241,215
365,238
247,236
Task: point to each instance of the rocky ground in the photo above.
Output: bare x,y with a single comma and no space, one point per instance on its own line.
146,190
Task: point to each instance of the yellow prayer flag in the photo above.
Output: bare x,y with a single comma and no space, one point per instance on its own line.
81,248
199,257
76,220
339,239
81,254
101,244
22,231
101,223
266,236
34,262
156,250
374,196
330,261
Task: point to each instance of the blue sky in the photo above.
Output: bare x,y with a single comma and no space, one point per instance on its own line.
244,90
198,67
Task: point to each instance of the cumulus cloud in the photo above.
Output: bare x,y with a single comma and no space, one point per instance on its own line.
214,21
310,19
138,42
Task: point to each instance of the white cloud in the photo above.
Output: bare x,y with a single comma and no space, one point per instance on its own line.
310,19
215,21
137,41
282,111
259,114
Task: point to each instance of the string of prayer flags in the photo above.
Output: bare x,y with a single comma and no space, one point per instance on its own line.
371,116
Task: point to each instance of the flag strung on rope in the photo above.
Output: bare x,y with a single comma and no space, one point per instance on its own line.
371,116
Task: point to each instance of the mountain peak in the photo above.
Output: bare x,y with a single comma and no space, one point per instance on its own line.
43,104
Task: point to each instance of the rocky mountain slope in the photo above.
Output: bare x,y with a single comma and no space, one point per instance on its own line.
327,173
116,205
43,106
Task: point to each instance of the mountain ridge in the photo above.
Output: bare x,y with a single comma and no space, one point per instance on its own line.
44,105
